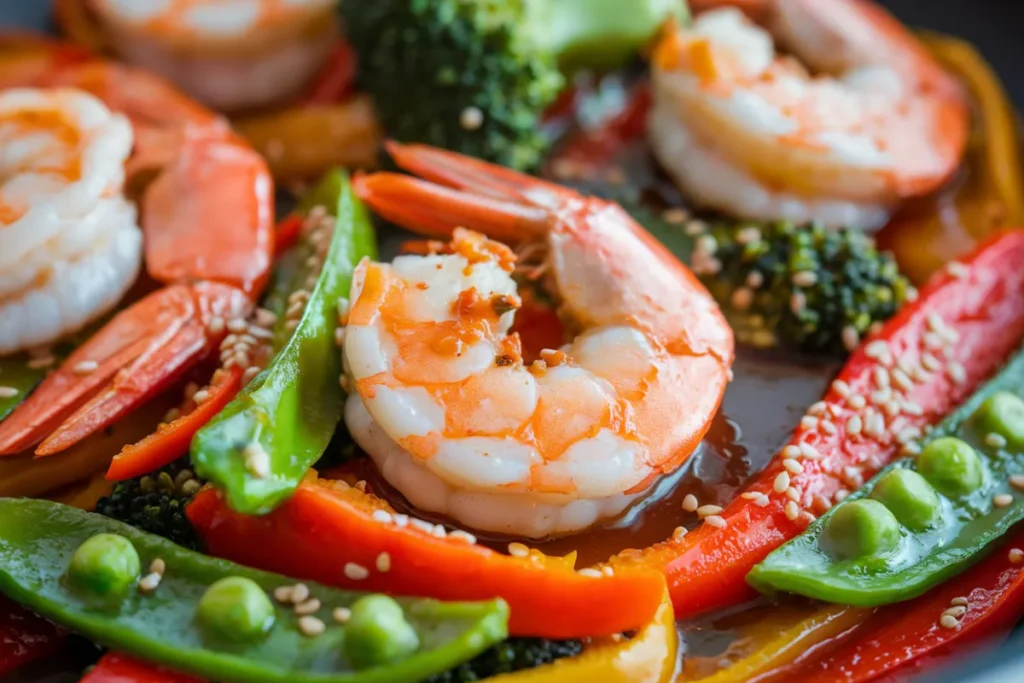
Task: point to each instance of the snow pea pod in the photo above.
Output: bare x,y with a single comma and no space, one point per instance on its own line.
41,559
260,446
920,520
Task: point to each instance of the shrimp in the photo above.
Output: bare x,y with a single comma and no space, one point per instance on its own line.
71,244
749,132
442,399
229,54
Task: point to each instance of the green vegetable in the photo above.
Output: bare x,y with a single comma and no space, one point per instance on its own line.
37,540
156,503
976,505
260,446
515,654
106,564
805,288
952,466
378,633
482,72
1002,414
16,375
909,497
235,608
864,527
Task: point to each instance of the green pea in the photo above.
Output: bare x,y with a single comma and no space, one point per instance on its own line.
106,564
863,527
1002,413
377,632
951,466
235,608
909,497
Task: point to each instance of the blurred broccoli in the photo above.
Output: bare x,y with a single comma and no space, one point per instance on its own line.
475,76
156,503
802,287
514,654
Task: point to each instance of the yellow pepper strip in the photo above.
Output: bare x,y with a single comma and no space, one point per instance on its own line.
304,142
84,494
989,195
647,657
783,644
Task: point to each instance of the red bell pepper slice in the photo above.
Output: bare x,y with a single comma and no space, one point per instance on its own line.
115,667
327,527
909,634
24,636
982,301
335,78
171,441
287,233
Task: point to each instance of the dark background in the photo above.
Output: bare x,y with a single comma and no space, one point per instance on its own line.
997,28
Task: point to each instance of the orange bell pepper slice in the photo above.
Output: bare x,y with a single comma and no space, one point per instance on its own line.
330,532
170,441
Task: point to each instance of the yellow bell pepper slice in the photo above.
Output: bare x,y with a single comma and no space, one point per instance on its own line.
647,657
778,642
988,194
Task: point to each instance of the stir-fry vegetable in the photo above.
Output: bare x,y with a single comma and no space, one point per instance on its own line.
213,618
980,303
259,447
374,547
115,667
490,105
917,522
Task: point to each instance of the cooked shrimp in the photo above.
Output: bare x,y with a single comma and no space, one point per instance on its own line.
443,400
749,132
69,243
230,54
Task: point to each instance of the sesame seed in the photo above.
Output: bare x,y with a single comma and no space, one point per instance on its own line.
932,341
793,494
911,408
471,118
792,466
341,614
935,321
439,531
901,380
401,521
675,215
853,477
809,422
857,402
877,349
881,378
382,516
807,516
962,602
791,451
283,594
1002,500
892,408
792,510
850,337
956,611
910,297
908,434
781,482
817,408
311,606
300,593
947,621
995,440
910,449
708,510
85,367
311,626
257,460
8,392
1016,555
250,373
854,425
809,452
518,550
930,362
426,527
715,521
41,362
201,396
591,572
149,582
608,570
707,244
841,388
956,372
698,227
461,535
216,324
236,325
384,562
805,278
762,501
750,495
265,317
356,572
828,427
881,397
840,495
339,336
679,532
157,566
690,502
1017,481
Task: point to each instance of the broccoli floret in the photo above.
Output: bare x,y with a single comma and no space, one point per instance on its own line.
514,654
802,287
156,503
475,76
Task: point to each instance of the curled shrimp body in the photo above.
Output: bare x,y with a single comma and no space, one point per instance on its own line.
70,245
442,398
751,133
